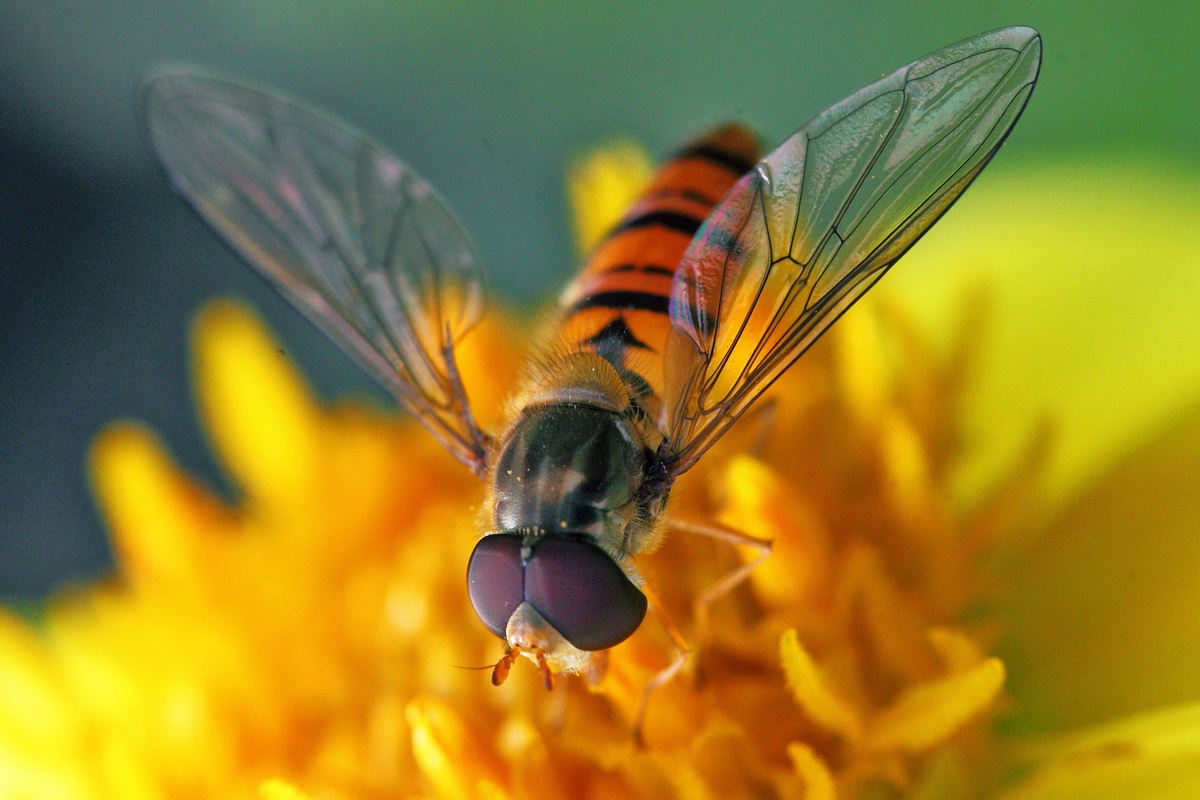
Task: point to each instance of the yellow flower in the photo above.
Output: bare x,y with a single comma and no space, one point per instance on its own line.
307,639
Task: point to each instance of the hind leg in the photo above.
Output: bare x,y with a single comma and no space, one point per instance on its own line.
728,582
665,675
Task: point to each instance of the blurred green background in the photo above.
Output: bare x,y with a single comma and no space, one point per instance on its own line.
101,267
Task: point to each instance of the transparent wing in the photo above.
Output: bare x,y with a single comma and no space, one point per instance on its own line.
347,232
806,232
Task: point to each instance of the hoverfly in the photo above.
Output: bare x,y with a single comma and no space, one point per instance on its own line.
720,277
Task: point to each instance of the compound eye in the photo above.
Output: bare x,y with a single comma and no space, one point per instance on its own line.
496,580
582,592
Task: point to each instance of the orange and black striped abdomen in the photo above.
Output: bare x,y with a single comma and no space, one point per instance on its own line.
617,306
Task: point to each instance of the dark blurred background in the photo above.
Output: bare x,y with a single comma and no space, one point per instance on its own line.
101,267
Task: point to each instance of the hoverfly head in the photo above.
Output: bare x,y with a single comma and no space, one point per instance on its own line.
554,598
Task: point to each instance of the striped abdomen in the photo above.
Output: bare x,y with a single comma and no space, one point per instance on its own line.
617,306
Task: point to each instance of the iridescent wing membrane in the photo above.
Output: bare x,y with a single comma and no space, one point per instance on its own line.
806,232
348,233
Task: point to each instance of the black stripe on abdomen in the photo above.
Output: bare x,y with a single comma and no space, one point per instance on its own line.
715,155
687,194
649,269
624,301
671,220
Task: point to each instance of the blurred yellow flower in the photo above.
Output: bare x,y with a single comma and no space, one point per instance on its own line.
308,639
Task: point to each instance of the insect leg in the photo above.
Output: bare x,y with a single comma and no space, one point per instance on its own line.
665,675
726,584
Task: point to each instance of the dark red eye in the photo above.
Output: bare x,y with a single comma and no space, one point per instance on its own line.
496,580
582,592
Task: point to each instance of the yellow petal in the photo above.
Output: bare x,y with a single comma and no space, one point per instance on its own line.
757,503
22,776
906,473
862,376
36,713
602,185
1148,757
256,407
1102,616
122,772
958,651
490,791
442,743
275,789
157,515
927,714
813,692
1094,268
489,367
818,782
891,620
